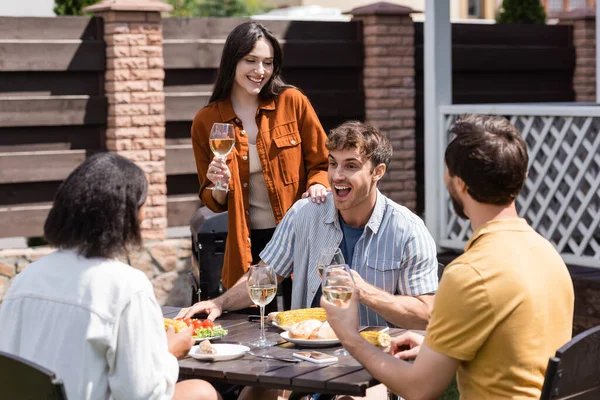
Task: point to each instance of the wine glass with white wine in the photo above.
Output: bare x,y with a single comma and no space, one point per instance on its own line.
221,141
329,256
262,287
338,285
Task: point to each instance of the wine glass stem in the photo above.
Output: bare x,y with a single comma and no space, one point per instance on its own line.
262,324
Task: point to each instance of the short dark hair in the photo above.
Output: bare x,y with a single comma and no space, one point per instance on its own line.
96,209
490,156
356,134
240,42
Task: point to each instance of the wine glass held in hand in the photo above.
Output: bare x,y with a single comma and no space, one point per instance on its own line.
221,140
338,284
329,256
262,287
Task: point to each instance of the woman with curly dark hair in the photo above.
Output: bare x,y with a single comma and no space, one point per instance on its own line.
81,313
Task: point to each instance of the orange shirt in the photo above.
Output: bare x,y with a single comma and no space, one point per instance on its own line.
293,156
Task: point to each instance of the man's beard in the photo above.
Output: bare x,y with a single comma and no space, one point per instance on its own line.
459,208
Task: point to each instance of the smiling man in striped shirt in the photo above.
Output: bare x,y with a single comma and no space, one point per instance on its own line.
392,254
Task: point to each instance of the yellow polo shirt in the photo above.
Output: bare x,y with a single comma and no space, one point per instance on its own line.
503,308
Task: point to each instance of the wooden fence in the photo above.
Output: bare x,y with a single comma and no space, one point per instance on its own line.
53,109
326,66
52,112
500,64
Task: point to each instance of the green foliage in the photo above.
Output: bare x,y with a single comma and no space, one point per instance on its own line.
72,7
216,8
184,8
521,12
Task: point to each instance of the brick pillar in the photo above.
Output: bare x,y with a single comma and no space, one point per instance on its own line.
389,73
584,40
136,100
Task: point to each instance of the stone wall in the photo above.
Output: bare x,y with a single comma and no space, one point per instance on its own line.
389,81
165,263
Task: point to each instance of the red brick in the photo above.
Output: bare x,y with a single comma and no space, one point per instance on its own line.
128,133
127,62
118,98
154,234
151,167
403,113
155,212
157,131
402,72
157,188
148,120
146,51
382,103
376,93
148,97
383,82
116,28
128,109
158,108
148,143
157,154
376,72
118,122
384,61
118,144
136,155
402,133
158,177
146,28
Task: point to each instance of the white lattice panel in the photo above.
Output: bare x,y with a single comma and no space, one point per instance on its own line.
561,197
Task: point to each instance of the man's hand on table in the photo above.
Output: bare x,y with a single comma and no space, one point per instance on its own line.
181,342
411,339
213,308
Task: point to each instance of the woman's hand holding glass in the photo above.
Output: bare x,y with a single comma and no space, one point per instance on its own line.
221,141
218,172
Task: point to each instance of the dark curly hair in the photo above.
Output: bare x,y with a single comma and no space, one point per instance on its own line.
355,134
95,211
240,42
490,156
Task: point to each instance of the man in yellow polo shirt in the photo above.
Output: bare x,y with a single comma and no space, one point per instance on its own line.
503,307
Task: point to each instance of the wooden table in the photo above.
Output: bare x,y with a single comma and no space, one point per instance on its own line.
346,376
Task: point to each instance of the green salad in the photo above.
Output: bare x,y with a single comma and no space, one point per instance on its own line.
210,332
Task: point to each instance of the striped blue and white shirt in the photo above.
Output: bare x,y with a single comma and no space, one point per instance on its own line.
396,252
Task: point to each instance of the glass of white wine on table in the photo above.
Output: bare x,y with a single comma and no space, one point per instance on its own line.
221,141
338,285
262,287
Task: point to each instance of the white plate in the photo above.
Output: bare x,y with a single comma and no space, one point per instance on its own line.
285,328
225,352
309,342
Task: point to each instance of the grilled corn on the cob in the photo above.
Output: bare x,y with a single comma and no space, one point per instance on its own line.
175,323
289,318
380,339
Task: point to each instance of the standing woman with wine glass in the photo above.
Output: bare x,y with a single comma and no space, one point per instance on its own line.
279,154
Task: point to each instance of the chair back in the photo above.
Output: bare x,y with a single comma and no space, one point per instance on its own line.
24,380
574,372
